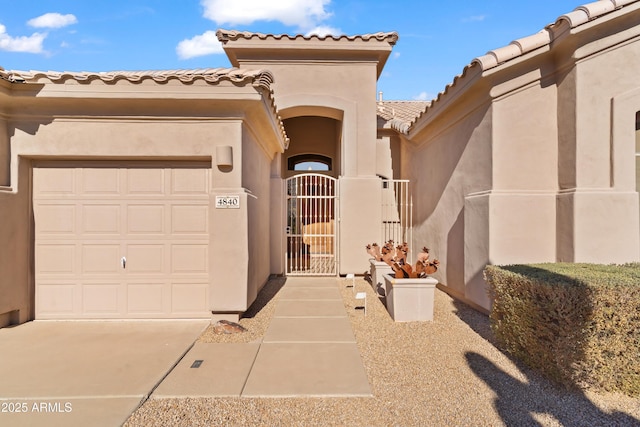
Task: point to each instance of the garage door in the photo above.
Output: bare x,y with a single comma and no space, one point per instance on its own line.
125,240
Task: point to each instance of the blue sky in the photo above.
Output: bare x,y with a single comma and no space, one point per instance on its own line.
437,38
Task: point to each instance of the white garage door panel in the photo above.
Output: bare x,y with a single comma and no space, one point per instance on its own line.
57,219
146,298
189,219
89,216
54,259
56,299
103,219
100,181
101,259
101,299
187,258
146,219
188,297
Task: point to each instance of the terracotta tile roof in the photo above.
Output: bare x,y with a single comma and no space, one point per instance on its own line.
398,115
226,35
494,58
9,76
258,78
580,15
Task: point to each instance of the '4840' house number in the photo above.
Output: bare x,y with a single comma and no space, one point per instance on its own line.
227,202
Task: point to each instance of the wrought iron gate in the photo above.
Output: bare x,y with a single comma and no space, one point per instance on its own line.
397,216
311,226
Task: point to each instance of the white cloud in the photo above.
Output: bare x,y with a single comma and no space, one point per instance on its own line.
303,14
475,18
52,20
396,55
324,30
205,44
423,96
28,44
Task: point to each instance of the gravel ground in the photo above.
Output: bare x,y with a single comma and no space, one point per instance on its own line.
442,373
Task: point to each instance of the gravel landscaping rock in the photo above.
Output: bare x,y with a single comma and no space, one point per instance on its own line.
442,373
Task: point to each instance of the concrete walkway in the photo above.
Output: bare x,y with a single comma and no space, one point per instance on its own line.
308,350
77,373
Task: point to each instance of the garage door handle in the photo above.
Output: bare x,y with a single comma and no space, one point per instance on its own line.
123,261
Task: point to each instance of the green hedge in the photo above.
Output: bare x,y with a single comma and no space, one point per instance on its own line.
578,324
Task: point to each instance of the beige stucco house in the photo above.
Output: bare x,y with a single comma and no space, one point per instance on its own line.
178,193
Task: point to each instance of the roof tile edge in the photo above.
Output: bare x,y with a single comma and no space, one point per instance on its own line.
209,75
260,79
232,35
393,118
579,16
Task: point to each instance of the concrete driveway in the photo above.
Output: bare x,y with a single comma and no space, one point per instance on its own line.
86,373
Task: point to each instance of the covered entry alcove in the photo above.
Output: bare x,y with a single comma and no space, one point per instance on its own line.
311,165
324,84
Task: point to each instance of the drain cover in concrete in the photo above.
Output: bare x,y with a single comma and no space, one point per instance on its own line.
222,372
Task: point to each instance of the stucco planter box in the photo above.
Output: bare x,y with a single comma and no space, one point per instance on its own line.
410,300
378,269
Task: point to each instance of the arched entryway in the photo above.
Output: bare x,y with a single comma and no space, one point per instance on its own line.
310,167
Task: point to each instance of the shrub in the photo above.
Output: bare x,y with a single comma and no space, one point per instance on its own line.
578,324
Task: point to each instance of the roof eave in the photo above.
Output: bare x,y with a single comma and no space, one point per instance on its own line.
240,46
519,50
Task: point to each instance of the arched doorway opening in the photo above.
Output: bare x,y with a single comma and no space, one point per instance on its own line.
315,143
310,168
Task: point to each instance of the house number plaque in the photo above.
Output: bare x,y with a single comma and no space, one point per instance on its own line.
227,202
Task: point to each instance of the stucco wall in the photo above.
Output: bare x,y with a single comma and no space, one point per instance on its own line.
255,179
485,184
143,139
525,171
447,162
349,88
277,214
389,156
15,255
541,169
597,175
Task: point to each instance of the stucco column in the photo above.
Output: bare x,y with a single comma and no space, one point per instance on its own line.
505,228
15,259
360,221
277,225
229,255
597,216
229,239
476,248
598,226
